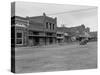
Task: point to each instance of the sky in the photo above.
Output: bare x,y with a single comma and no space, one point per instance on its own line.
69,15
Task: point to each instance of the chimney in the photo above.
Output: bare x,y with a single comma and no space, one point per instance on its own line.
44,14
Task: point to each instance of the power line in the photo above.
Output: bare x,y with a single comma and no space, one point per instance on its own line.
71,11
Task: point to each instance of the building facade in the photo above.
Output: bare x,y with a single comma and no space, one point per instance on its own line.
63,33
19,31
72,33
42,30
60,37
31,31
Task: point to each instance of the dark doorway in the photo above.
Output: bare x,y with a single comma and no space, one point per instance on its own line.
33,41
51,40
36,41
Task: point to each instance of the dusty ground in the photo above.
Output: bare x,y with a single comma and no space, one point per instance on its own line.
56,58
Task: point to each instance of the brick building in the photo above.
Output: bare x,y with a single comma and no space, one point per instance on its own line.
42,30
30,31
19,31
65,33
74,32
60,37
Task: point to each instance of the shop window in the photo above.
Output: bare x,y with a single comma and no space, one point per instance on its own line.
19,39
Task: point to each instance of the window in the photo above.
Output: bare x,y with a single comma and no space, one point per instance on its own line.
53,26
19,38
19,35
47,25
35,33
19,41
59,35
50,26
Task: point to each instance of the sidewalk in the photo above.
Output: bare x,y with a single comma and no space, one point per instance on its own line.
51,45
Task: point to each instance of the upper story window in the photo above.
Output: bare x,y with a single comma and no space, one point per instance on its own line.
59,35
33,33
53,26
50,25
19,35
47,25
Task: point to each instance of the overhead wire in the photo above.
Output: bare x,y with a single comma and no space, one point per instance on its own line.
71,11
